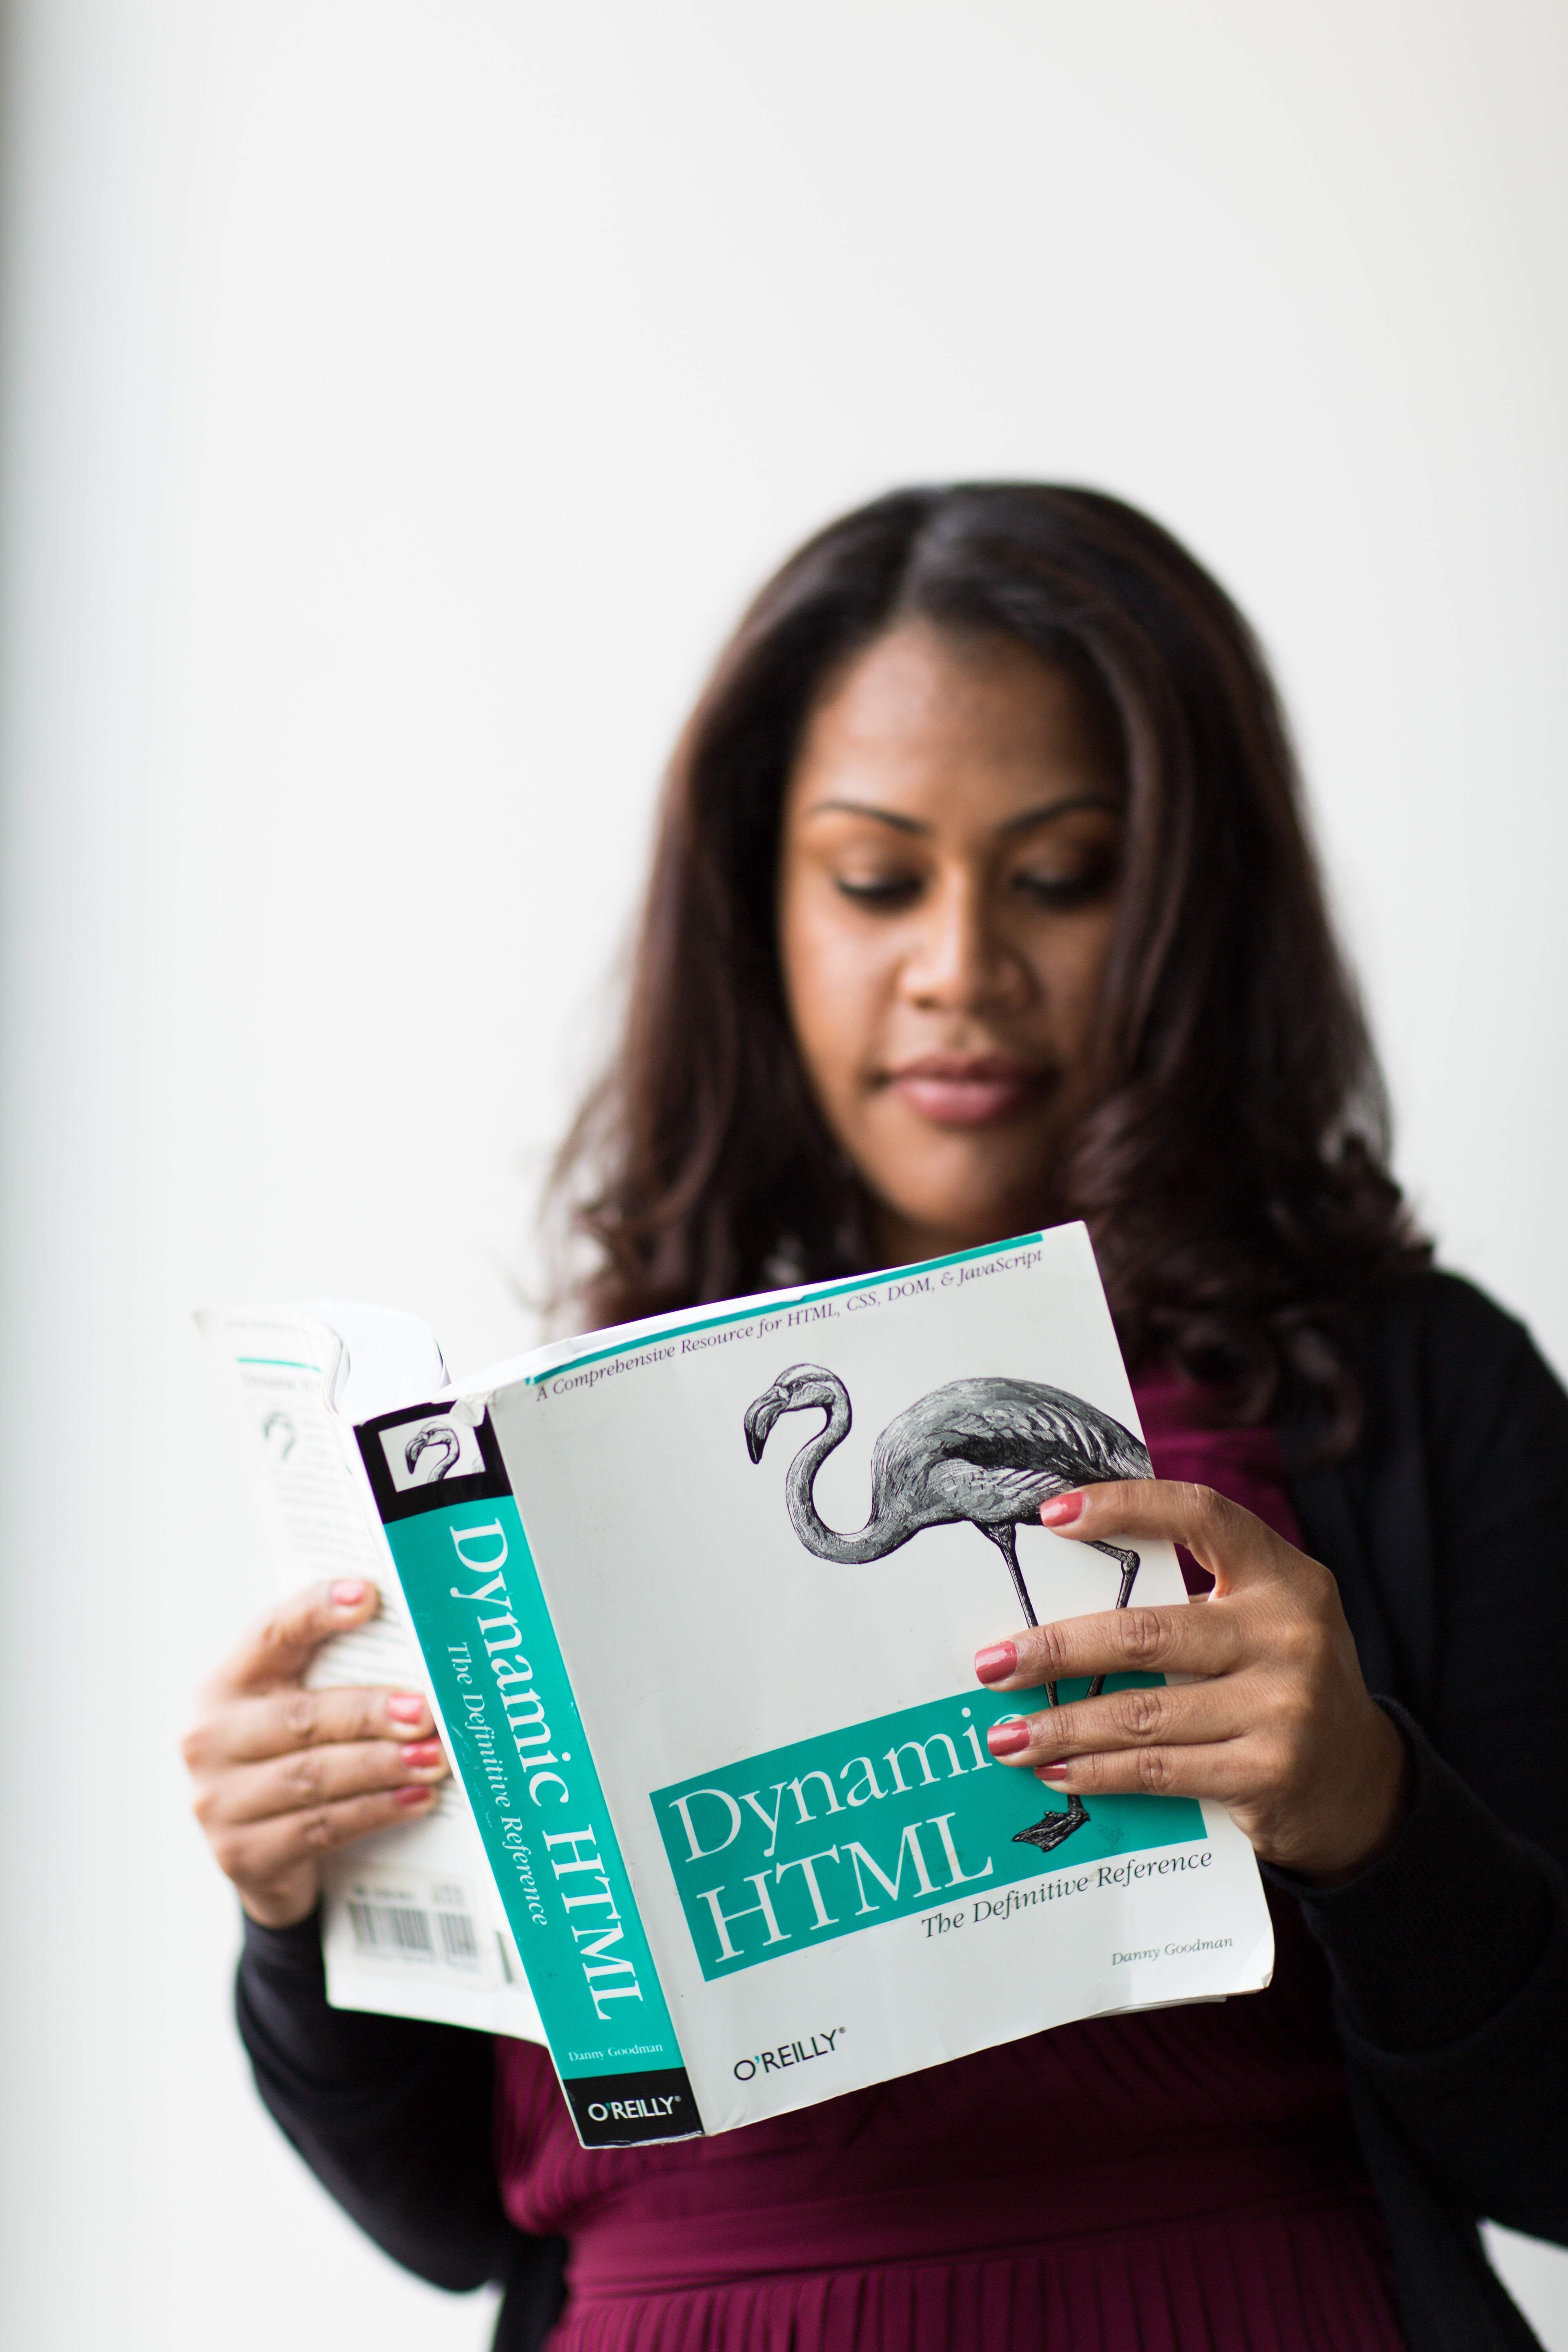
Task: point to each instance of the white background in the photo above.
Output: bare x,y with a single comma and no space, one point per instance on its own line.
402,395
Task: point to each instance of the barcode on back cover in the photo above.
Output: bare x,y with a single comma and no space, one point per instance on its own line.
405,1932
458,1940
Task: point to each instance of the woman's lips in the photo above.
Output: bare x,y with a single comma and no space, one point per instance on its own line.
954,1092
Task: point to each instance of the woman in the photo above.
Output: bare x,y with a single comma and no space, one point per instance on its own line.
983,899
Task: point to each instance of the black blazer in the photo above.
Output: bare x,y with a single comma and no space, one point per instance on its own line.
1447,1530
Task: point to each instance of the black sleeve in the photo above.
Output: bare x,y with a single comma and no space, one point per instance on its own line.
1450,1954
394,2117
1450,1964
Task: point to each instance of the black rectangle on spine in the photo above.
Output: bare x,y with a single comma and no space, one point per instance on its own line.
628,2110
439,1493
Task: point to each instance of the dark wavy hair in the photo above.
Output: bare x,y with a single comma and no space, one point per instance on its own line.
1232,1171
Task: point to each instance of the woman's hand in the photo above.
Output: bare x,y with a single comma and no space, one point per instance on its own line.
284,1775
1279,1728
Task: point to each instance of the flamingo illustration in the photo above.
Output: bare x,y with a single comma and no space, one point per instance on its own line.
434,1434
986,1451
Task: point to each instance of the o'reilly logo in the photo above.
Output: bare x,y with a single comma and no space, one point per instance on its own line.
788,2053
625,2110
632,2111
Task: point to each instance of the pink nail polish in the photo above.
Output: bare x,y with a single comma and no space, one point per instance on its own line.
995,1664
1061,1510
349,1593
405,1708
1052,1772
421,1755
1007,1738
410,1798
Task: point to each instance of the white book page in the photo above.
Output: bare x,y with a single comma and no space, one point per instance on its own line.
411,1925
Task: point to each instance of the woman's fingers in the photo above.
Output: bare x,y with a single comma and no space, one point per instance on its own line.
1235,1547
284,1775
1276,1724
264,1855
1227,1772
1190,1715
244,1730
282,1645
317,1776
1177,1641
1258,1578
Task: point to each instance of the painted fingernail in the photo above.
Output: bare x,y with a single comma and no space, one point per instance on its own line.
995,1664
1052,1772
410,1798
421,1755
349,1593
1061,1510
1007,1739
405,1706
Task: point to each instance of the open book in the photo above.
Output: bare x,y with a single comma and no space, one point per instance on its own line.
695,1601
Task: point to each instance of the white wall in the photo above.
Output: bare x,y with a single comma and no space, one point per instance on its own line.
402,395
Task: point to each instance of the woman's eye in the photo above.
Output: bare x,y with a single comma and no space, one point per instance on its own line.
1063,890
878,889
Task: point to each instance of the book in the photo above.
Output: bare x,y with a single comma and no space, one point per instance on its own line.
695,1601
412,1924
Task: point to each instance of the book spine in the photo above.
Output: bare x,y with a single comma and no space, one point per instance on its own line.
512,1730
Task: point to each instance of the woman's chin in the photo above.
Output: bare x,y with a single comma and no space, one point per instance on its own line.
957,1189
909,1230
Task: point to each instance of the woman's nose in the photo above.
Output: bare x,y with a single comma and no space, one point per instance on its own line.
961,959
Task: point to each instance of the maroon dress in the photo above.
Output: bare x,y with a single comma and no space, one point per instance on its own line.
1179,2180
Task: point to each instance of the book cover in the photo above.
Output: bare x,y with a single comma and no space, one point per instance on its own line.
697,1599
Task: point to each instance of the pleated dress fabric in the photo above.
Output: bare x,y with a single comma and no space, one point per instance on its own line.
1182,2181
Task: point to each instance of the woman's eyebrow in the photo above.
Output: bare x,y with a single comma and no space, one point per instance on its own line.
1050,809
868,808
1024,823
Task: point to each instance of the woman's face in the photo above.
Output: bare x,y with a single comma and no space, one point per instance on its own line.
948,881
